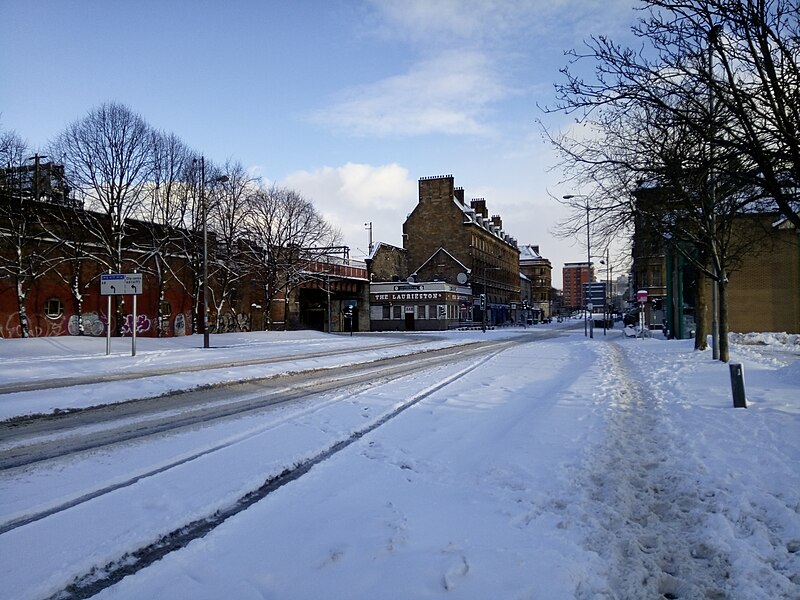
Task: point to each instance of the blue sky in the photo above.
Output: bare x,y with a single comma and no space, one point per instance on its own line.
348,102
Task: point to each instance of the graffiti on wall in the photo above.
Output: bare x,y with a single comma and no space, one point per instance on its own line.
180,324
12,329
227,323
143,324
94,324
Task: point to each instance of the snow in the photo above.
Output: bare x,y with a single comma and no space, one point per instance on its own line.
565,467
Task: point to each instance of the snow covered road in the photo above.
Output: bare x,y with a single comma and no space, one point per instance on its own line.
560,468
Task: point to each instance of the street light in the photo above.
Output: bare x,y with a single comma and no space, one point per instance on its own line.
368,226
586,324
609,271
204,206
713,35
328,292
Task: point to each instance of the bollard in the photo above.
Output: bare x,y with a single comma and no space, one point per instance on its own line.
737,385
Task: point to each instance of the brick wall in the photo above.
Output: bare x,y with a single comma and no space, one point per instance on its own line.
436,221
764,295
388,263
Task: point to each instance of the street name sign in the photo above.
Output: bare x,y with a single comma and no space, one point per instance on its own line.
121,284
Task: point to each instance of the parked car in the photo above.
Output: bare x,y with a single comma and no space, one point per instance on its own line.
632,316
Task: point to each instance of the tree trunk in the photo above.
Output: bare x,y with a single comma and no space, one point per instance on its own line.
722,296
24,326
160,312
119,314
701,314
79,329
77,297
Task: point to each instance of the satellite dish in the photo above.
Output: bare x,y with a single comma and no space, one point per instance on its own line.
461,278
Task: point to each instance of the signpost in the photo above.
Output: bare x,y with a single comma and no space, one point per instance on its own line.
121,284
349,314
641,298
594,294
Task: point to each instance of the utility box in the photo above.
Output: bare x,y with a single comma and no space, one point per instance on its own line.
737,385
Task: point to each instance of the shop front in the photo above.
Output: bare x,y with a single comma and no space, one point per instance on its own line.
425,306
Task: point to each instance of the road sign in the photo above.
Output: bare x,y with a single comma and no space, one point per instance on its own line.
641,296
121,284
133,284
112,284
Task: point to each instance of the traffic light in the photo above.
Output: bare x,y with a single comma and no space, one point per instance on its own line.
483,301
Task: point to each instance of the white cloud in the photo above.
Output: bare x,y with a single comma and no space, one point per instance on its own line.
445,94
470,51
354,194
426,23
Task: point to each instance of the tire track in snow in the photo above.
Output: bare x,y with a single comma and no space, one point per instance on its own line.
647,512
174,369
102,577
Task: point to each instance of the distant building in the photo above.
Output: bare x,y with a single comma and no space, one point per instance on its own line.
40,181
574,275
61,269
538,271
763,290
449,248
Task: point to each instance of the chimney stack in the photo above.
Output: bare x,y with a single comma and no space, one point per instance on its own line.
479,206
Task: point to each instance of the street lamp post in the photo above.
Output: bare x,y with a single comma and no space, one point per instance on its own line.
609,278
606,304
589,270
328,291
204,208
368,227
586,323
713,34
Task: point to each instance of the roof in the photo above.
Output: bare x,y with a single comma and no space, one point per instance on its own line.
453,258
471,217
528,252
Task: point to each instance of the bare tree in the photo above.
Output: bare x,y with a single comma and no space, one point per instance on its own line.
756,47
18,259
261,244
306,238
666,115
708,228
109,159
284,235
229,198
164,211
38,207
13,150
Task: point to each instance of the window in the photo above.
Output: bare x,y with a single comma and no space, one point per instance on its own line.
656,276
386,314
397,312
420,311
53,308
